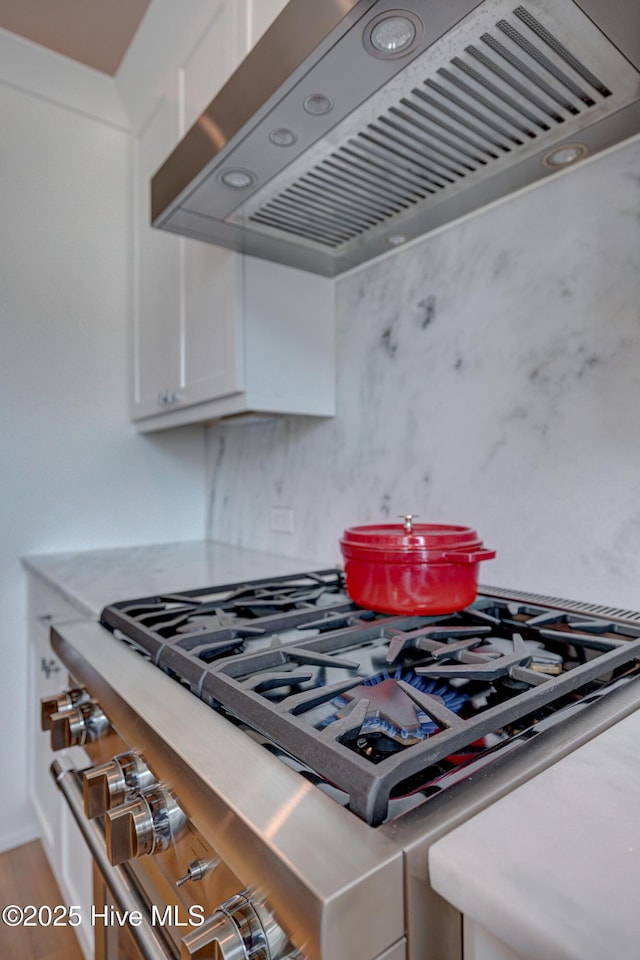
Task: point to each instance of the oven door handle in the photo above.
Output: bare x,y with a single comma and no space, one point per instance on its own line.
149,940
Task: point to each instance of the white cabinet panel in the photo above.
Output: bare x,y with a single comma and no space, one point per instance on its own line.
289,333
212,61
211,328
212,333
158,282
480,944
69,858
47,678
262,13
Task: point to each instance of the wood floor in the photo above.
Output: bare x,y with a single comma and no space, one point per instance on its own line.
26,878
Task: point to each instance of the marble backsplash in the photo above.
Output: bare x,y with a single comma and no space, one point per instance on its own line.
487,375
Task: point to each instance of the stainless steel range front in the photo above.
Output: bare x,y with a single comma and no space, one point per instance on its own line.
285,758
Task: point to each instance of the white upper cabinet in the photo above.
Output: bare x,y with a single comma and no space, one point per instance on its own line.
214,333
261,14
156,335
217,52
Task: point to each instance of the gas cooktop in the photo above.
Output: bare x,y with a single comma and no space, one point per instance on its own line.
381,711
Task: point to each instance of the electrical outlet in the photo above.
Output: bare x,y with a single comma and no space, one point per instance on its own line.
282,520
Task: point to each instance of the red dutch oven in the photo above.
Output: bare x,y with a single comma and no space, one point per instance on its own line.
422,568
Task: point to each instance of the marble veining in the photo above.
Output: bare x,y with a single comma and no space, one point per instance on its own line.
488,375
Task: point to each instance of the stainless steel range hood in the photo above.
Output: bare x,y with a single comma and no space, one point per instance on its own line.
356,125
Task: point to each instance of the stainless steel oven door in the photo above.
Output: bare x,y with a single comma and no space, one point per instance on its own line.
112,942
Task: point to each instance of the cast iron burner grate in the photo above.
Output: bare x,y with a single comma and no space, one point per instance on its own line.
183,632
377,706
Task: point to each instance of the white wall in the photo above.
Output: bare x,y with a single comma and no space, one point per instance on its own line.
73,472
487,375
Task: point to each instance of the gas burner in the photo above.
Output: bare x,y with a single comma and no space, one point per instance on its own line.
229,619
175,613
443,639
393,718
542,660
273,598
481,665
203,623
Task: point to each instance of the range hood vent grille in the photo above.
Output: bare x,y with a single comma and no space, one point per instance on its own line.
515,85
493,96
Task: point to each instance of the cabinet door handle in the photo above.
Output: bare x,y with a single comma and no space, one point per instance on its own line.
167,398
49,666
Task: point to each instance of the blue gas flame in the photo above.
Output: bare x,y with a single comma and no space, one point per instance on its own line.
451,697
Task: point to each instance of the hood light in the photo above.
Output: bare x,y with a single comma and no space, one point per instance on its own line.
318,104
393,35
282,137
396,239
238,179
563,156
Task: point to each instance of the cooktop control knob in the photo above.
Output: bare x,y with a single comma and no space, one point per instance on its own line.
241,929
147,823
73,728
60,703
112,783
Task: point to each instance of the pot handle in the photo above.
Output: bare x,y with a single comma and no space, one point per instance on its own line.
475,556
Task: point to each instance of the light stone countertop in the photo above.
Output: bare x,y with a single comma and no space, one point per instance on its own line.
553,868
91,579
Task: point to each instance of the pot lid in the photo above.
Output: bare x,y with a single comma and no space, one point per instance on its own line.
407,535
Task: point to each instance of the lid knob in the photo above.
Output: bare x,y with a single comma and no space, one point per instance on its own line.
408,519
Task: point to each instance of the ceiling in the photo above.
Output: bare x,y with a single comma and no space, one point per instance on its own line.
97,33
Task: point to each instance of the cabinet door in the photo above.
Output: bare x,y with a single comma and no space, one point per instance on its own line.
212,290
262,13
65,848
47,678
205,69
212,355
157,335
